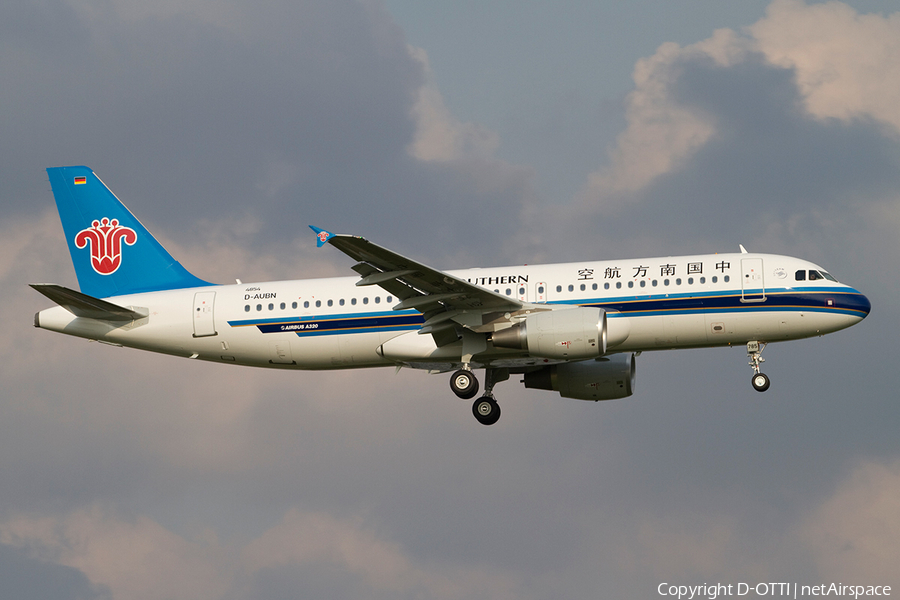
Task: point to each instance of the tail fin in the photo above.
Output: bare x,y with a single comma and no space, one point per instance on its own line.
112,252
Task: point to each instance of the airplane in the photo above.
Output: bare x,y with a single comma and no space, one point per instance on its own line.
574,328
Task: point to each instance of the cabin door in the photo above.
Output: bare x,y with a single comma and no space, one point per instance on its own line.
204,322
753,286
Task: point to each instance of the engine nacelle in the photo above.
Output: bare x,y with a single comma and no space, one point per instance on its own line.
606,378
568,334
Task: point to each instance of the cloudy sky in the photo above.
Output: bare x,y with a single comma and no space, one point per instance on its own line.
463,134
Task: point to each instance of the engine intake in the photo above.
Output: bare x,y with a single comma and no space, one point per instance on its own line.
606,378
568,334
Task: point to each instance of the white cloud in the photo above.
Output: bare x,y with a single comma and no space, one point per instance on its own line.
662,133
439,136
136,560
851,534
356,548
855,533
139,559
846,66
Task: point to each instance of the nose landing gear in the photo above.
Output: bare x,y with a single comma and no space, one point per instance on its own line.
760,381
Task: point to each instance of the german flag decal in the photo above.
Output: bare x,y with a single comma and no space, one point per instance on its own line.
80,180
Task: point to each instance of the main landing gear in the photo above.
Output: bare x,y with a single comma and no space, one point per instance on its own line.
759,380
465,385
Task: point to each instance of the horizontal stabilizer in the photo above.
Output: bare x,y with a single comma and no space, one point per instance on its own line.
88,307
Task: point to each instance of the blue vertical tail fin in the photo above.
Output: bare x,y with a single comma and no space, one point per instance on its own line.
113,253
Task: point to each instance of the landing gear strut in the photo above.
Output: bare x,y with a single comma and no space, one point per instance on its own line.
759,380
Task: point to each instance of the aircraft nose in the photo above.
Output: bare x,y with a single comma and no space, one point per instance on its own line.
864,306
857,304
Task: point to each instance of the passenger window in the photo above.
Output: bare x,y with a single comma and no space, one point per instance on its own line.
377,299
619,284
293,305
800,275
353,301
703,280
690,281
665,282
388,299
283,306
366,300
259,307
678,281
571,288
318,304
583,287
594,287
271,306
540,289
341,301
521,291
654,283
559,288
630,284
715,279
330,302
643,283
508,292
306,304
247,308
606,286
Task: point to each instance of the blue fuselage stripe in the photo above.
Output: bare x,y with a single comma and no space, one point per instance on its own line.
846,301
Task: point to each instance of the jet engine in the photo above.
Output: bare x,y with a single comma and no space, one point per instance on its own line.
605,378
568,334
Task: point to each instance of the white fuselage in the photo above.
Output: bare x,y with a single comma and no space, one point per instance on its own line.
651,304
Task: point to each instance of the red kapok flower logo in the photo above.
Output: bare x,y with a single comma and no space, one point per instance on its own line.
105,238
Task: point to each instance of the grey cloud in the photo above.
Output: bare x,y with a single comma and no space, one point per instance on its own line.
295,113
26,578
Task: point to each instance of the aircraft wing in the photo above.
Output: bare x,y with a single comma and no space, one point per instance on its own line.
442,298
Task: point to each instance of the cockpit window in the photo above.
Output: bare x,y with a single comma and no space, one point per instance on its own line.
816,275
800,275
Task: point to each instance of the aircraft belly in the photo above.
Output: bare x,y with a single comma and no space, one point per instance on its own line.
688,330
722,329
795,325
338,351
665,331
